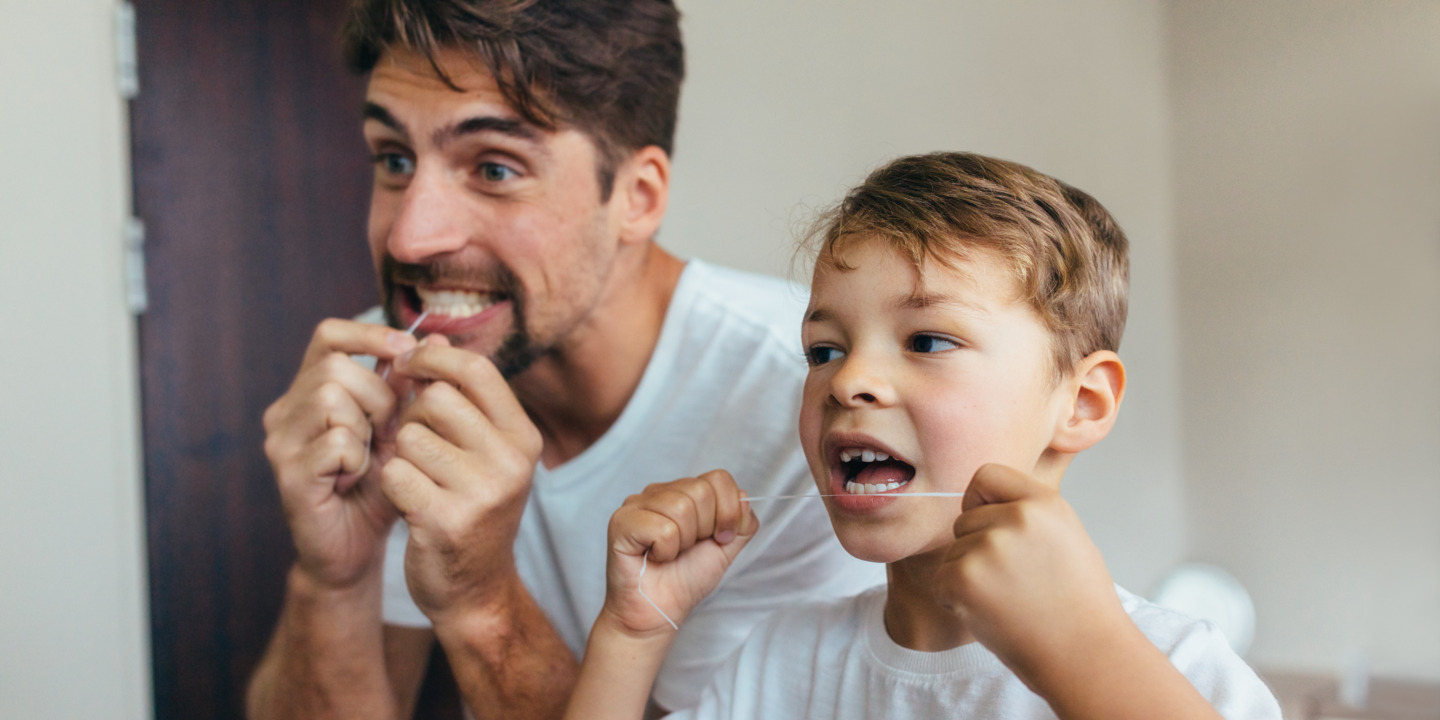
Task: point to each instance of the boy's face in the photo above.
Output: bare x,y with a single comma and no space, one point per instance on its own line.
940,374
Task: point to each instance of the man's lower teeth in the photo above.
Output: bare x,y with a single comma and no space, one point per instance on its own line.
855,488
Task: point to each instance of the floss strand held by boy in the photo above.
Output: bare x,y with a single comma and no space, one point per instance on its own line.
962,331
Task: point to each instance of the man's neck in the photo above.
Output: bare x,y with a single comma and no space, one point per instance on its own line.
576,392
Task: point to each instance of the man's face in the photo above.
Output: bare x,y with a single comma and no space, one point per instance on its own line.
493,226
914,383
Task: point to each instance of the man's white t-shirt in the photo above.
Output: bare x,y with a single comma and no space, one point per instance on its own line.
722,390
834,660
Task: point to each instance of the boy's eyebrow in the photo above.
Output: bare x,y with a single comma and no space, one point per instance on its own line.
819,315
920,301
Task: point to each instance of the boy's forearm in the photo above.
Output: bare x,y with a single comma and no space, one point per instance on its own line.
617,674
1120,676
327,658
507,658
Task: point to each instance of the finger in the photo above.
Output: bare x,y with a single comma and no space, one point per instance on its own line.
441,462
980,519
726,502
337,452
635,531
408,489
475,376
449,413
355,338
994,483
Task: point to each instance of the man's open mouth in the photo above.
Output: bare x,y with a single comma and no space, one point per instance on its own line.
453,303
868,471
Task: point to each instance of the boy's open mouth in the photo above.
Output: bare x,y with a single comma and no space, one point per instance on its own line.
867,471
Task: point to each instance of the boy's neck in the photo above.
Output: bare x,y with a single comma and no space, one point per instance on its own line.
913,619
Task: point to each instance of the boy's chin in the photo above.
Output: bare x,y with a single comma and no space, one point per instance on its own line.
876,545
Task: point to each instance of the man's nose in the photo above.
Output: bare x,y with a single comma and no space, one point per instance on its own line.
861,382
430,220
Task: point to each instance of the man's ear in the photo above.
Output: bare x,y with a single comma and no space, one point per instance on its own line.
1095,390
642,187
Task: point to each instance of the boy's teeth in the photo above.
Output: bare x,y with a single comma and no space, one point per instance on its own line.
855,488
845,456
454,303
868,456
881,456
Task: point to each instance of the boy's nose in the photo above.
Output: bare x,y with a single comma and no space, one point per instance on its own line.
860,382
429,221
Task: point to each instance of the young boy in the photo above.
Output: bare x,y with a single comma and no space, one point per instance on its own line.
961,336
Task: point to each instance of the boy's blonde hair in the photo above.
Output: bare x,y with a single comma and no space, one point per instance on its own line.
1067,254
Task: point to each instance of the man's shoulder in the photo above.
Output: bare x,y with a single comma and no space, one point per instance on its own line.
748,301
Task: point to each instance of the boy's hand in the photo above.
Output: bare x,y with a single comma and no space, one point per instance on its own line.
1025,577
692,530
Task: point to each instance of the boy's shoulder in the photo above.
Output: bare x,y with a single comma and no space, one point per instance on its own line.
1200,651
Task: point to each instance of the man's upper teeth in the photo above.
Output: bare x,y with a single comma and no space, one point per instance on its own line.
454,303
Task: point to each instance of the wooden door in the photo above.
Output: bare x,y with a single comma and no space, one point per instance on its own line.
253,183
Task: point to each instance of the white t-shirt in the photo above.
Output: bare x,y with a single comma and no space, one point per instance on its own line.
834,660
722,390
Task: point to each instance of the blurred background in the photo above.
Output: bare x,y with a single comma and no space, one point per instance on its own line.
1276,165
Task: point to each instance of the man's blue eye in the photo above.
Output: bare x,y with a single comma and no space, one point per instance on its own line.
821,354
495,172
931,344
395,163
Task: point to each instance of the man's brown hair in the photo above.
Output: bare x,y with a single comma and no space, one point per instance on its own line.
1067,254
609,68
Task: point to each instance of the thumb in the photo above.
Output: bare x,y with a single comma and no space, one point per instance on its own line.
995,483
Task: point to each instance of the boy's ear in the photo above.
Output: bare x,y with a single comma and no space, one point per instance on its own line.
1098,385
642,187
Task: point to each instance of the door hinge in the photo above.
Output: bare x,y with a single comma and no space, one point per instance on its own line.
127,64
136,295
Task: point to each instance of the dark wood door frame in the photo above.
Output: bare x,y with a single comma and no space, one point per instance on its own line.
253,182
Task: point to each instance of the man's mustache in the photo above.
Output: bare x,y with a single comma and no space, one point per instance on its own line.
495,278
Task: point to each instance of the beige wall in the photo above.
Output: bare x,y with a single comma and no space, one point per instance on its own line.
789,104
73,623
1307,150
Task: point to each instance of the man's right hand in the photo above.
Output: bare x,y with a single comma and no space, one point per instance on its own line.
317,437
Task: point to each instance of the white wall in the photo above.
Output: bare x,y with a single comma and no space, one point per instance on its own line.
1307,149
73,623
787,105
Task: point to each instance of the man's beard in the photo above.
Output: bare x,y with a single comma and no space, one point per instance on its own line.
517,351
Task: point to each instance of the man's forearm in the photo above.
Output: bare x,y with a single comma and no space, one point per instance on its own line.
327,658
508,659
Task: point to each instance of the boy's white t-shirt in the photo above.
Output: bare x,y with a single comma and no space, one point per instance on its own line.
722,390
834,660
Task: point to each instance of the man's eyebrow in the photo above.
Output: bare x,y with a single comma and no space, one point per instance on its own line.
512,127
378,113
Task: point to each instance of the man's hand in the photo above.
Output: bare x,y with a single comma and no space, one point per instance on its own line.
465,453
1025,577
316,437
692,530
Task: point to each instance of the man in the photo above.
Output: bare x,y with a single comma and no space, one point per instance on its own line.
522,165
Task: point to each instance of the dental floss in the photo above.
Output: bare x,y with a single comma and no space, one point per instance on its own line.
645,562
645,559
385,375
807,495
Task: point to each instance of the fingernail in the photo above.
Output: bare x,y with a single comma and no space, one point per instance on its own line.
399,341
724,537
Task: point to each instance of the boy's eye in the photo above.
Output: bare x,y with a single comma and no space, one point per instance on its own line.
821,354
495,172
931,344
